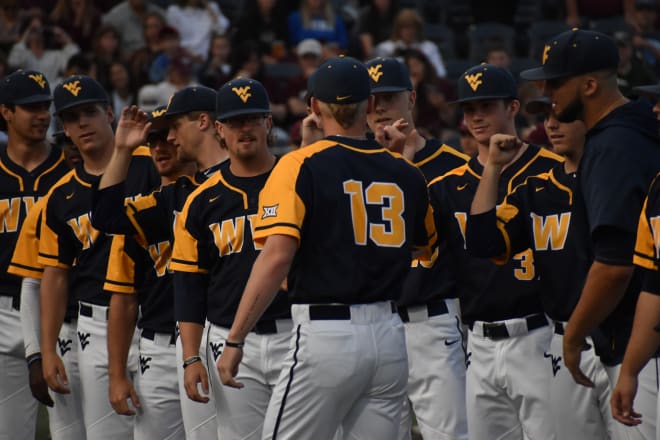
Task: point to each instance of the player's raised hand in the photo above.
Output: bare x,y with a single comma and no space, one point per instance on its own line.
393,137
196,374
132,129
228,366
622,399
503,148
121,390
55,373
38,385
311,129
572,356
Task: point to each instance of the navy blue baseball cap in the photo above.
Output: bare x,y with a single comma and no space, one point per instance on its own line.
341,80
191,99
653,90
77,90
573,53
241,96
24,87
486,81
158,119
541,104
388,75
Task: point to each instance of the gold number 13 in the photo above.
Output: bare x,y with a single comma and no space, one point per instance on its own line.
391,233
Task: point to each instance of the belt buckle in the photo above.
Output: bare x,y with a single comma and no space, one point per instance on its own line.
495,331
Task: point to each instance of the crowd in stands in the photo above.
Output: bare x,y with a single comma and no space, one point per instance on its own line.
142,51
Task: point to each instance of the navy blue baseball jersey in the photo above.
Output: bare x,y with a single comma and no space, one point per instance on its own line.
539,215
487,291
370,212
138,264
430,281
19,191
68,238
213,238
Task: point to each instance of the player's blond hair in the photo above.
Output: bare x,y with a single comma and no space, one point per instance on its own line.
346,115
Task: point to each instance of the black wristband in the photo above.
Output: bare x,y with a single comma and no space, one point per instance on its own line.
191,360
238,345
32,359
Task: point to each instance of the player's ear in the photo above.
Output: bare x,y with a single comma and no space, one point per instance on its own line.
218,129
204,121
589,85
6,112
412,98
514,107
110,113
316,109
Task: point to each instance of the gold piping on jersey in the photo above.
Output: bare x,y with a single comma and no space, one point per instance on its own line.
120,273
11,173
645,249
443,149
55,165
24,260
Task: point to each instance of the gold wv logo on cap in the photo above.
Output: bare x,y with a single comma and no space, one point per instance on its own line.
375,73
39,79
157,113
73,87
242,92
546,52
474,80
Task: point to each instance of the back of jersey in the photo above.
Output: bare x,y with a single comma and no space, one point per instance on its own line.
358,211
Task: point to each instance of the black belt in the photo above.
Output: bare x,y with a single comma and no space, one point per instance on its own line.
434,308
87,310
559,328
319,312
151,335
499,330
15,301
268,327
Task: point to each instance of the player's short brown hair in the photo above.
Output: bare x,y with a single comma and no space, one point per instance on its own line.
346,115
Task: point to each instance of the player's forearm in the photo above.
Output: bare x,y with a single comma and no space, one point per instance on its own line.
485,198
117,168
268,272
644,340
53,301
605,286
121,326
30,315
191,338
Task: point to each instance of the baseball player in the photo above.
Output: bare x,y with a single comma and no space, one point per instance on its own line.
333,216
579,74
539,214
507,378
75,254
65,413
137,276
429,307
212,257
645,338
29,166
189,118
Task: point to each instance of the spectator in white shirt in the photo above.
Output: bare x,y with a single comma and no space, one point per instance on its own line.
197,21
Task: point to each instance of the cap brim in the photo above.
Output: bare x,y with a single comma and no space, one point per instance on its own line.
33,99
538,105
482,98
648,90
538,74
389,89
78,103
242,112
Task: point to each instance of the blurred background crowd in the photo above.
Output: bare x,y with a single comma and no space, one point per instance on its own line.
142,51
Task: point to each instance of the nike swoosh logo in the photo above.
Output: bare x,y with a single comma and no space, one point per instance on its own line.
540,189
342,98
448,342
70,195
213,199
461,187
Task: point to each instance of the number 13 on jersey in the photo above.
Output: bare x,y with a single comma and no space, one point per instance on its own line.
392,231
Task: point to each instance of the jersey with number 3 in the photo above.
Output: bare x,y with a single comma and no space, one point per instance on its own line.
488,292
358,212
